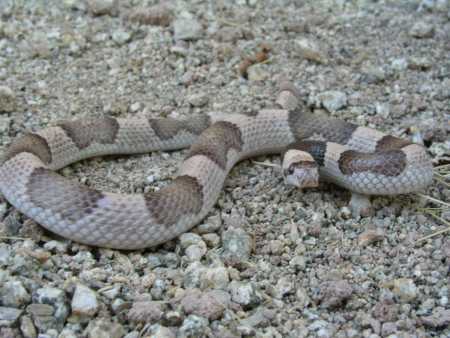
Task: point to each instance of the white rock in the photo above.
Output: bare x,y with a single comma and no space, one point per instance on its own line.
333,100
187,29
311,50
84,301
8,101
103,7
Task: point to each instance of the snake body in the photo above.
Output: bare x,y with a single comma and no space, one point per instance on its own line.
361,159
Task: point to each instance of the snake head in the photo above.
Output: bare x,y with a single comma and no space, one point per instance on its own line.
300,169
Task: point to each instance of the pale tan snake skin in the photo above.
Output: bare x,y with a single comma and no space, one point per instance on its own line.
358,158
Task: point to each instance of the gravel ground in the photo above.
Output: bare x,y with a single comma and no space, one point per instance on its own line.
269,261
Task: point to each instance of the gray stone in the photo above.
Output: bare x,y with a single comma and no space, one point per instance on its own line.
9,316
211,225
298,262
215,278
187,29
55,297
382,109
195,252
5,123
245,294
56,246
210,304
310,50
27,328
158,15
193,275
8,102
404,289
173,318
285,285
322,329
422,29
2,211
14,294
334,293
332,100
419,63
373,74
159,331
212,240
104,328
388,328
399,64
237,246
5,254
257,72
154,261
190,238
193,326
198,100
103,7
67,333
260,318
440,318
132,334
42,315
146,312
121,37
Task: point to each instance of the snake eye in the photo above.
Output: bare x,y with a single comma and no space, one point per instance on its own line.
291,169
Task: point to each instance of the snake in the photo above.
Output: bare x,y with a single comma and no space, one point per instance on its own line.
360,159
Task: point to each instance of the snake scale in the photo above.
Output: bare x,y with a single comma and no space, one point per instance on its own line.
360,159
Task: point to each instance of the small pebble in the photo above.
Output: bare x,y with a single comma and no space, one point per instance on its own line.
440,318
43,316
9,316
27,327
189,238
404,289
422,29
84,301
310,50
373,74
332,100
382,109
210,304
121,37
285,285
419,63
237,246
195,252
334,293
158,15
369,237
245,294
14,294
5,123
54,297
159,331
212,240
193,326
187,29
399,64
146,312
8,101
103,7
198,100
103,327
215,278
257,72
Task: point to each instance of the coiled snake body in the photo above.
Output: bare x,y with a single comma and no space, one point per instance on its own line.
361,159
